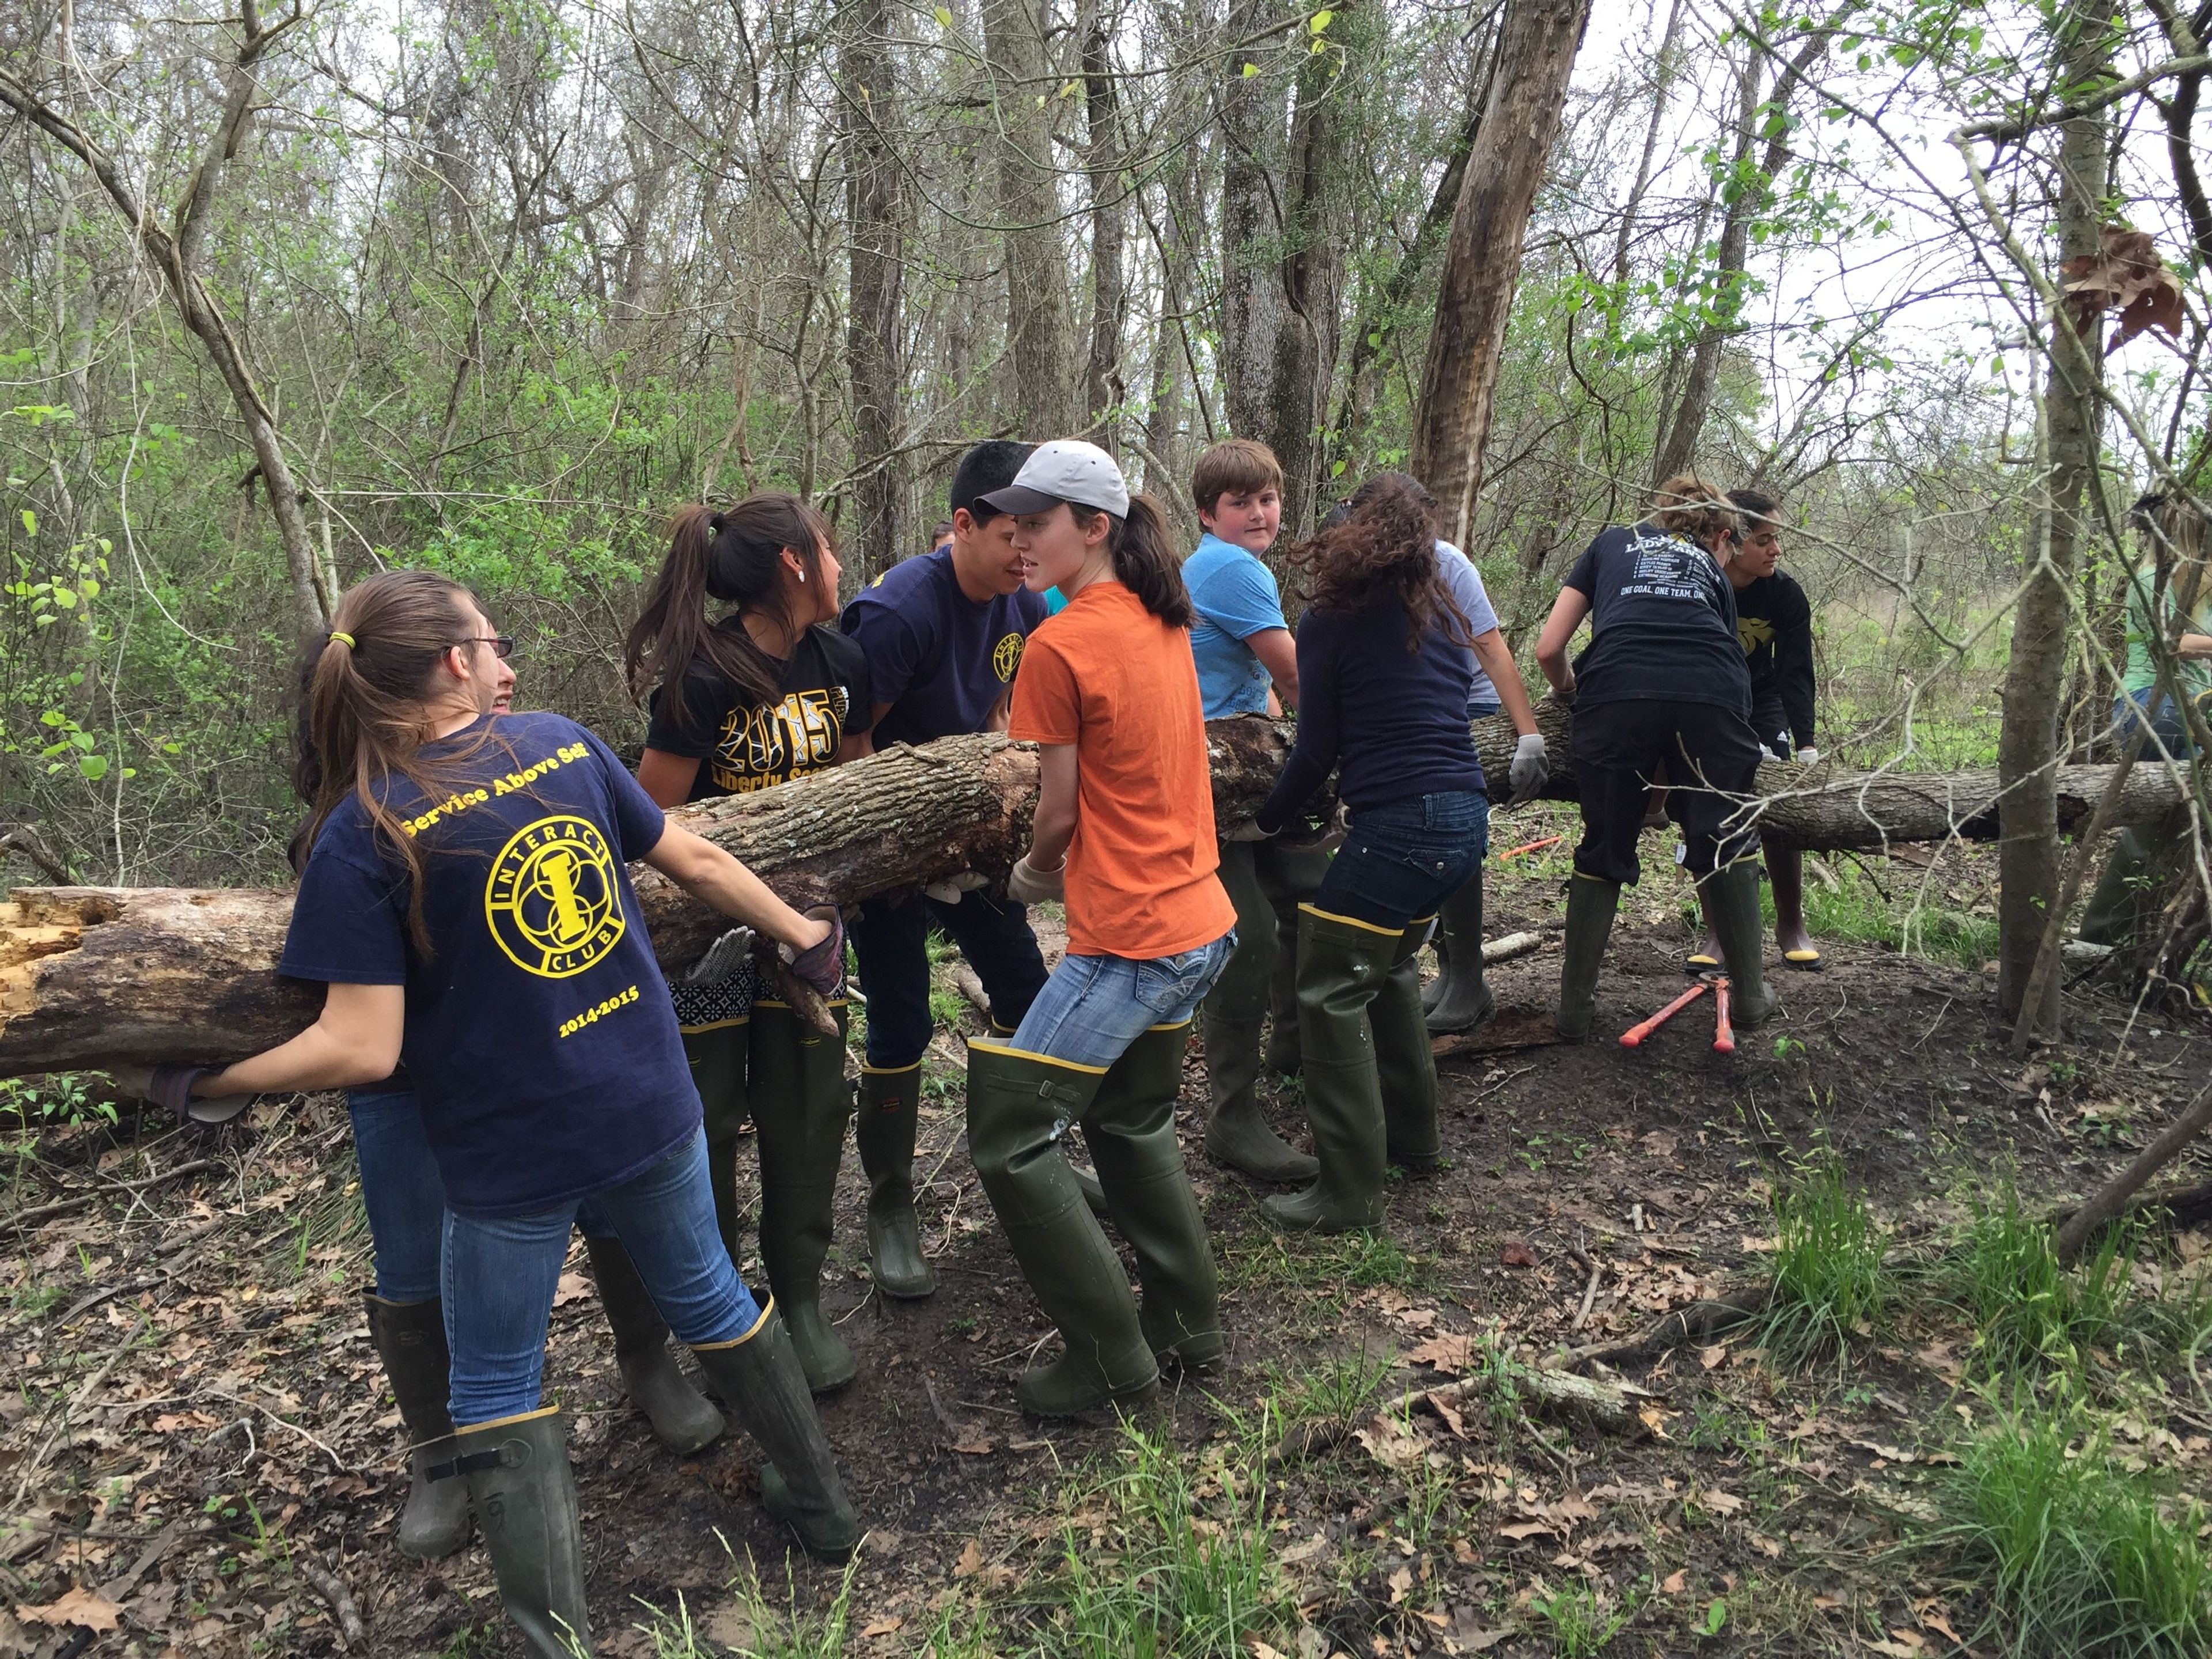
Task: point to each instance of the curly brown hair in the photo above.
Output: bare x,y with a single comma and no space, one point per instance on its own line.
1384,543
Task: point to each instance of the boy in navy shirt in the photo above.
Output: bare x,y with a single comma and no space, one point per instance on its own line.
1247,661
943,635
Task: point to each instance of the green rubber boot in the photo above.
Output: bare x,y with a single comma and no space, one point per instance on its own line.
800,1102
1285,1052
1404,1068
1342,965
1730,898
1130,1126
884,1129
1019,1107
409,1338
1464,1000
760,1374
2117,907
520,1483
1237,1132
1591,904
681,1419
717,1057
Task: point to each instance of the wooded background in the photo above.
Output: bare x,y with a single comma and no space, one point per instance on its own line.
491,286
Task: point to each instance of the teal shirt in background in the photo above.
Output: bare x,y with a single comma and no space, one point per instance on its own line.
2142,671
1235,597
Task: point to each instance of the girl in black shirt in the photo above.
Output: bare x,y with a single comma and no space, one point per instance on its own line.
1662,679
766,694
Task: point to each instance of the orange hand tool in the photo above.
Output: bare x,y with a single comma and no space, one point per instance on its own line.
1531,847
1724,1033
1634,1035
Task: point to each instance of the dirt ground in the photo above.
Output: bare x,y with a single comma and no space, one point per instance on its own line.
200,1458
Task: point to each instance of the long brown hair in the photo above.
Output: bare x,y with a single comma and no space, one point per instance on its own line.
1687,506
1144,559
1385,543
2173,532
734,556
362,720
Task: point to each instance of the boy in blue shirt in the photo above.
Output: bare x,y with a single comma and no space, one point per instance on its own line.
943,634
1248,665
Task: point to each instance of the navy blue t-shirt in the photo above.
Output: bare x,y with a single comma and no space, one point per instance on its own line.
539,1033
940,660
1395,721
1663,623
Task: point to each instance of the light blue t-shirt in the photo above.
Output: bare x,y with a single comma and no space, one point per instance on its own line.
1466,591
1235,597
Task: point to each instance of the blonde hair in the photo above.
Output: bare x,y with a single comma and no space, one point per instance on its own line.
1687,506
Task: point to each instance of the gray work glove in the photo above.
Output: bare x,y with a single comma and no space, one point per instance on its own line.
1248,830
821,966
953,888
1029,885
722,958
1808,755
1532,766
170,1087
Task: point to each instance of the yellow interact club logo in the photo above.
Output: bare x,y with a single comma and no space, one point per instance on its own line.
1007,657
553,901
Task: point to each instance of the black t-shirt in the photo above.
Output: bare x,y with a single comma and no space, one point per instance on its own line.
1774,625
940,660
824,696
1663,623
540,1042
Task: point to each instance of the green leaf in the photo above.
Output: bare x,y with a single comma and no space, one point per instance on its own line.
1716,1617
94,767
1322,20
1250,70
30,522
945,17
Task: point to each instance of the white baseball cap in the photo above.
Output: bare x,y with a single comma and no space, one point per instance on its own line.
1064,470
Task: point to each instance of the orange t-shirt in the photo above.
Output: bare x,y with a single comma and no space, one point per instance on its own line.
1113,679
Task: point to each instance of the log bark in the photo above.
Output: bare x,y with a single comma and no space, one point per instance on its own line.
92,976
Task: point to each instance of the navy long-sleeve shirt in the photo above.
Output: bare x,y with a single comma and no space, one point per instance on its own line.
1396,719
1774,625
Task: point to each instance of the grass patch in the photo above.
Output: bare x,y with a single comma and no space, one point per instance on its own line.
1580,1624
1832,1275
1173,1566
791,1631
2027,1308
2079,1555
1320,1267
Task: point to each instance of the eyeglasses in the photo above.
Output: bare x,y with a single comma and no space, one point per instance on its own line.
502,645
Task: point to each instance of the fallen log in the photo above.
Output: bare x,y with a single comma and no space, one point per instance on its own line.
92,976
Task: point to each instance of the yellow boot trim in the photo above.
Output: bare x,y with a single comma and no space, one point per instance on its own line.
766,1308
1042,1059
502,1422
1316,911
1182,1024
867,1070
715,1025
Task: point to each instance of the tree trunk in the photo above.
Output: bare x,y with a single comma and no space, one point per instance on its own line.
2028,860
1104,389
1251,228
105,975
875,212
1536,50
1042,351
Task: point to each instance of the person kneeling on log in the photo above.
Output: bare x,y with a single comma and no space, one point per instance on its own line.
1664,678
1383,672
768,694
1123,835
403,1199
466,898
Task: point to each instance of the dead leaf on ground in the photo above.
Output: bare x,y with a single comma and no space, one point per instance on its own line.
1713,1358
883,1626
1392,1445
1447,1353
1450,1414
971,1562
1675,1582
1517,1254
1719,1502
572,1287
76,1606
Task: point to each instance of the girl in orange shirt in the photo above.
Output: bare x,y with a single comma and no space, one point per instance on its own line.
1124,836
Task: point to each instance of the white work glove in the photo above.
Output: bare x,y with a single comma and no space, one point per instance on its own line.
1248,830
1028,886
1808,755
1532,768
722,958
948,891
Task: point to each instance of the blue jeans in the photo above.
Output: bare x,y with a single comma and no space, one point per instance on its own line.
500,1273
1399,862
890,943
400,1189
2135,710
1093,1008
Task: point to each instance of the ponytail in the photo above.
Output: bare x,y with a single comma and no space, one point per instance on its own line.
1144,559
734,556
361,718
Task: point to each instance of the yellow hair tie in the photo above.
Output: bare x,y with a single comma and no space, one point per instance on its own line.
345,639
